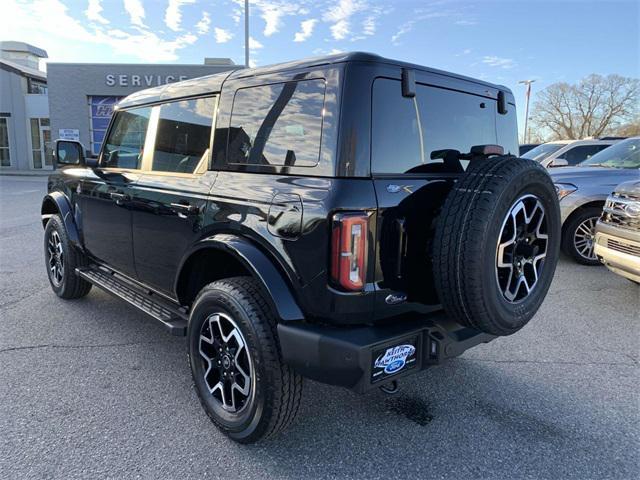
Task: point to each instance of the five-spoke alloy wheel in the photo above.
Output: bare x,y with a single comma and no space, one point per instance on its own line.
55,258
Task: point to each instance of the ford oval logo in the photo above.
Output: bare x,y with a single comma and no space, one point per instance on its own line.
394,366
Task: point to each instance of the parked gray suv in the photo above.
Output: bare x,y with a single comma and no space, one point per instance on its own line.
583,190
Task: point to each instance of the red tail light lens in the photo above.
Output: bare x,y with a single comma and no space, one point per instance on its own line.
349,250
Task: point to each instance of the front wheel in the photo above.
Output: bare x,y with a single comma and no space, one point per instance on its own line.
578,236
62,259
236,363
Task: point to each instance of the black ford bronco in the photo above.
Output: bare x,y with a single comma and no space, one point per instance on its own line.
349,219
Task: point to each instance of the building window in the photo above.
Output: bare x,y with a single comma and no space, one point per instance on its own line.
36,87
5,154
100,113
41,146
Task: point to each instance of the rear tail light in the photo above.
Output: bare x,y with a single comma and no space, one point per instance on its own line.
349,250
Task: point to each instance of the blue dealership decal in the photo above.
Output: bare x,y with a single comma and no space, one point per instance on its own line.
393,360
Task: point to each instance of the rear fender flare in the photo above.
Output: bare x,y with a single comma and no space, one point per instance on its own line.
63,207
260,266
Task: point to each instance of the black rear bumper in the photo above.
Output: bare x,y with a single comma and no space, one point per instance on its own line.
364,357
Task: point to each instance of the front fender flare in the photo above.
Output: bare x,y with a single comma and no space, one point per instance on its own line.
261,267
65,211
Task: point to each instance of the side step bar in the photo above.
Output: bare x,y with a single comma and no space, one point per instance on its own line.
170,316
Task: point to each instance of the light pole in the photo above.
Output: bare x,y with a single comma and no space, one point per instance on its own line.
527,96
246,33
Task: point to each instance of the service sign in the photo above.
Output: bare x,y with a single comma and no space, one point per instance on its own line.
72,134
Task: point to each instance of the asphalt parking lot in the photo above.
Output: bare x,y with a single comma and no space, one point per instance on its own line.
92,388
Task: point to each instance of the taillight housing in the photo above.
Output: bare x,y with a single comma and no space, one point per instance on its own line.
349,250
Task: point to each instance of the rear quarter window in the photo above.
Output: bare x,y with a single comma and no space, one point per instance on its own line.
279,124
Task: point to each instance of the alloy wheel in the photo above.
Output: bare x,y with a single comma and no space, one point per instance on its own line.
56,258
228,369
522,248
583,238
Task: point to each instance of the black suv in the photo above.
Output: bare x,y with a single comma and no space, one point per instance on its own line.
349,219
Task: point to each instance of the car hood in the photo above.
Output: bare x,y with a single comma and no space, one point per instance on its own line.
630,189
594,176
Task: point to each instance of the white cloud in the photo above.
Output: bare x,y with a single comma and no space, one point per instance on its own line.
466,51
136,12
173,16
203,25
335,51
222,35
272,11
403,30
369,25
93,12
57,30
340,16
306,29
254,44
466,22
494,61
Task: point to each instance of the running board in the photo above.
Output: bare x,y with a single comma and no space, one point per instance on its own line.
170,316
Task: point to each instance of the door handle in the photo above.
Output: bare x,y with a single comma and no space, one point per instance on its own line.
119,197
184,209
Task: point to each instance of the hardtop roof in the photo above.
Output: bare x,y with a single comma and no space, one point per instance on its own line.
213,83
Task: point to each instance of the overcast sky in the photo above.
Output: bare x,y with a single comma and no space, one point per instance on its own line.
499,41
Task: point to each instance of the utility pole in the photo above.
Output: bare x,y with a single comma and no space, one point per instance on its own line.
527,96
246,33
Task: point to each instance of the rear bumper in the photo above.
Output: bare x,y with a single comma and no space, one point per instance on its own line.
624,258
364,357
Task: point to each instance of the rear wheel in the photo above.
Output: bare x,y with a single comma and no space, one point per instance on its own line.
62,259
578,236
496,244
236,363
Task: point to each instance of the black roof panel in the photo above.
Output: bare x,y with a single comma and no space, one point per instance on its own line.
213,83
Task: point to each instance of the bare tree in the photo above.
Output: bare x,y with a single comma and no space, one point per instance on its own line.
594,107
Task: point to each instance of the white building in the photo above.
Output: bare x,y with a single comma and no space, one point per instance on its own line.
25,135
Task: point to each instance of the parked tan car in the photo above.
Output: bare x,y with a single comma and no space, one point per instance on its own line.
617,240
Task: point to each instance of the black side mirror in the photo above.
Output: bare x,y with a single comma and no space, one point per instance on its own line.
68,152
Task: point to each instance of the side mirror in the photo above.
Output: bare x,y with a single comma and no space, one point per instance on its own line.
68,152
559,162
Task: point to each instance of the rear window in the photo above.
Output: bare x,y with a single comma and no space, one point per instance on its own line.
407,131
279,124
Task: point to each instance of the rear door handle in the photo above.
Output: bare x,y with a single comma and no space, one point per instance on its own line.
184,209
119,197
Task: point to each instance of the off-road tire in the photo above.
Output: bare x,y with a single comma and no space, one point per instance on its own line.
71,285
466,243
569,230
278,389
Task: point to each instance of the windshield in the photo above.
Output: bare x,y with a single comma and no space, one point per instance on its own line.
542,151
625,154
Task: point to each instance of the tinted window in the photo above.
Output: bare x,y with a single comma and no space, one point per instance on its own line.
542,151
580,153
183,135
447,119
124,145
277,124
625,154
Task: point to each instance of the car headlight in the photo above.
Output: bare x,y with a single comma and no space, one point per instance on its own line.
564,189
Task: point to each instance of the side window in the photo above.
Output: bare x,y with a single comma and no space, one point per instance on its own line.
580,153
278,124
407,131
124,145
183,135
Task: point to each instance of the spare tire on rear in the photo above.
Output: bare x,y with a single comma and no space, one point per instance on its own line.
496,244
